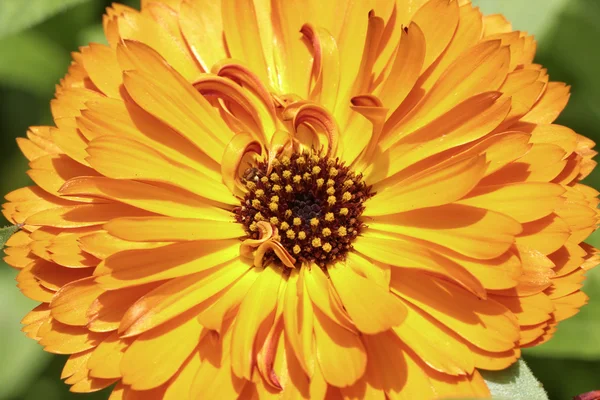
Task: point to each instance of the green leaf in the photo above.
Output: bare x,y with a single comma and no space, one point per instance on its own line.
534,17
514,383
32,62
23,359
6,233
17,15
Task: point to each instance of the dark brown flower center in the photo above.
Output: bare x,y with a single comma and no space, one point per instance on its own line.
314,202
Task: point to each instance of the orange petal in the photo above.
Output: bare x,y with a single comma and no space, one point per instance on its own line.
406,68
326,65
100,62
524,202
71,302
485,323
187,111
180,384
65,339
138,161
546,235
106,311
431,188
168,345
471,231
550,105
385,354
480,69
178,296
438,19
372,270
434,343
105,361
134,267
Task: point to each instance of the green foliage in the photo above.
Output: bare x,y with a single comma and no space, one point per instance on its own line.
526,15
24,55
23,358
6,233
16,15
514,383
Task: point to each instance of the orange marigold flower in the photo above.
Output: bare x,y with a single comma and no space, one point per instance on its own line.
243,199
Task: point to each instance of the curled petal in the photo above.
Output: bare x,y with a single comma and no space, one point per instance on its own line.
372,109
282,141
326,65
239,146
266,242
265,232
316,116
242,75
265,359
210,85
280,251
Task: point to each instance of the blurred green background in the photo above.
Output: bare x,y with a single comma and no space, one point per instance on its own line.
36,37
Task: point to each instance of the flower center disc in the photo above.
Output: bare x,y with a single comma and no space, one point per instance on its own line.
315,203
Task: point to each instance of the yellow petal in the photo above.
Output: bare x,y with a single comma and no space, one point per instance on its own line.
215,378
401,253
169,201
240,27
213,317
254,310
341,354
372,308
167,229
159,28
298,322
524,202
202,26
321,294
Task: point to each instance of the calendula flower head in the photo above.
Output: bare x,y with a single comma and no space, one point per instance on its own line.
367,199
